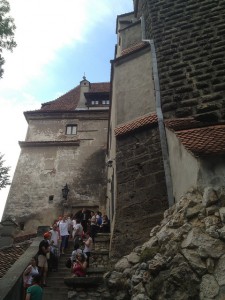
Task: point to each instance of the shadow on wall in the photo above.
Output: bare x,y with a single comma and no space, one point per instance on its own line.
92,178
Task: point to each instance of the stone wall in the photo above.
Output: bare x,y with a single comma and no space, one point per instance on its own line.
141,189
189,38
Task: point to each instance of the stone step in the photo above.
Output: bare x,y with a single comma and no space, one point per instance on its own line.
65,271
83,281
52,294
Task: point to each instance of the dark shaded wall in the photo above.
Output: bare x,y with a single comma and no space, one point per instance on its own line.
189,37
141,189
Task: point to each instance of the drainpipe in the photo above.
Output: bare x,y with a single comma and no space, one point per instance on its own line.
162,132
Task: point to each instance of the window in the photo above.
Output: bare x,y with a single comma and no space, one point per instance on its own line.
94,102
71,129
50,198
105,102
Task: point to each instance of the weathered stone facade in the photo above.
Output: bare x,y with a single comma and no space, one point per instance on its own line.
53,155
189,37
141,188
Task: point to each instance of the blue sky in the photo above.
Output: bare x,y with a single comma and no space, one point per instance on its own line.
57,42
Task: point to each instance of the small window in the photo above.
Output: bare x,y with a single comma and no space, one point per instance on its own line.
94,102
21,225
105,102
50,198
71,129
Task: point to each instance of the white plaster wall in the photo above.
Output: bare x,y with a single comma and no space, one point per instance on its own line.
184,166
130,36
134,87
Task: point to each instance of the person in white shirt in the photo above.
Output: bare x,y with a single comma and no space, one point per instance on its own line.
74,222
64,234
78,232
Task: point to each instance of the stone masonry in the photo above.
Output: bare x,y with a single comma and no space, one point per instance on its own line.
141,188
189,37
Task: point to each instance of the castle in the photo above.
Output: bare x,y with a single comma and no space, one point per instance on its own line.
134,146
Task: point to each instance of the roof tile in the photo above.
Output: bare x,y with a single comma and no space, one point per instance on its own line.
209,140
69,101
145,120
133,48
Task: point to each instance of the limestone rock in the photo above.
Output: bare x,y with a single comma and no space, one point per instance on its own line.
212,210
207,246
114,279
221,232
213,231
184,258
209,197
193,211
133,258
122,264
211,221
222,214
157,263
220,271
210,265
195,261
209,287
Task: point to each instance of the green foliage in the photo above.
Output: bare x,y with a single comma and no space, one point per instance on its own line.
7,29
4,176
148,254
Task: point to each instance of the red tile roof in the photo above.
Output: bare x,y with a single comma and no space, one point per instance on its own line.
146,120
203,141
69,101
134,47
182,123
9,255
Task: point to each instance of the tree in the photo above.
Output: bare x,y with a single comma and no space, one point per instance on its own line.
4,173
7,29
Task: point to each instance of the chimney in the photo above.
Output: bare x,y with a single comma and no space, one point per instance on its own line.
84,88
7,232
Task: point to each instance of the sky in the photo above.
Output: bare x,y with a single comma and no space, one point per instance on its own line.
57,42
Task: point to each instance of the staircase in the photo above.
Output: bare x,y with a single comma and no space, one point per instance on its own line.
61,284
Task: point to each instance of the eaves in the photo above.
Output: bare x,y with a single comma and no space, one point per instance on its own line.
131,55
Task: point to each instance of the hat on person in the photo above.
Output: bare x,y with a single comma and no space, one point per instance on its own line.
47,234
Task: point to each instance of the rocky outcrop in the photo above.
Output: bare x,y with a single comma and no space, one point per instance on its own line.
183,259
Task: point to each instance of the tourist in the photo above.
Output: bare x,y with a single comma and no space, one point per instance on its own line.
88,243
93,229
54,248
98,218
84,219
64,234
44,249
28,274
76,251
35,292
105,226
80,266
78,232
70,225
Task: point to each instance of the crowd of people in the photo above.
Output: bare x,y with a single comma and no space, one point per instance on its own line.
82,230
